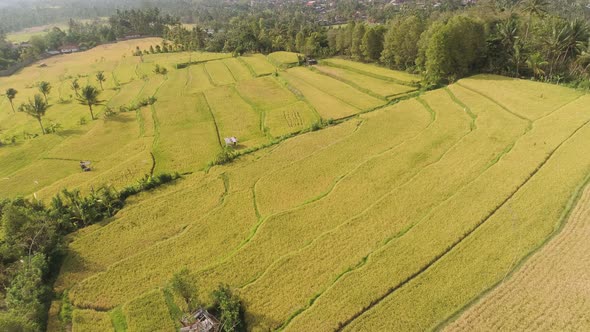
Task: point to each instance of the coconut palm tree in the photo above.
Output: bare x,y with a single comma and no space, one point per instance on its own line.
89,97
100,78
566,42
536,63
533,8
45,89
36,108
75,86
10,94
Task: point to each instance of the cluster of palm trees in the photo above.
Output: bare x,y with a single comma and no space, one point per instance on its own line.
555,48
39,104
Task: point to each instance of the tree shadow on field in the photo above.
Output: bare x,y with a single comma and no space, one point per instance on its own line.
490,77
265,323
74,267
70,132
119,118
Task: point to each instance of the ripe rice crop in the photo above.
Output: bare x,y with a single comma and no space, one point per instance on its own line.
219,73
90,320
369,69
198,79
185,135
289,119
384,89
238,69
333,87
156,318
412,216
326,105
234,117
258,64
159,222
275,95
284,59
529,99
547,292
487,256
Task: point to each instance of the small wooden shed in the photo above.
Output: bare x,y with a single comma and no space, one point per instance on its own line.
200,321
231,141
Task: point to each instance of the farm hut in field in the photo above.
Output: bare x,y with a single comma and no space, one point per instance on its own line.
85,166
231,141
311,61
203,322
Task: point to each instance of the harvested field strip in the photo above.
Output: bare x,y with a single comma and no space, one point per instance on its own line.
238,69
375,219
549,283
367,84
337,89
328,107
258,64
571,122
375,71
219,73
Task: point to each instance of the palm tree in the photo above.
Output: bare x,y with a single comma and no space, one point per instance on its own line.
533,8
89,97
75,86
45,89
36,108
566,41
536,64
100,78
10,94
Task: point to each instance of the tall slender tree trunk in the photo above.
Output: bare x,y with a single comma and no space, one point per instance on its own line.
101,86
45,95
41,125
91,113
12,105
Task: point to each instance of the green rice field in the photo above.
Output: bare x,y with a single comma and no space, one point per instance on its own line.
356,201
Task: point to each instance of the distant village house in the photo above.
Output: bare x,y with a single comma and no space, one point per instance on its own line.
69,48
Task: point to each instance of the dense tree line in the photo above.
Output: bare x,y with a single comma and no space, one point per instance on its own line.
528,38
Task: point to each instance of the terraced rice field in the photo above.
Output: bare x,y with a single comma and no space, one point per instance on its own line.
553,282
450,209
371,85
284,59
372,70
258,64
